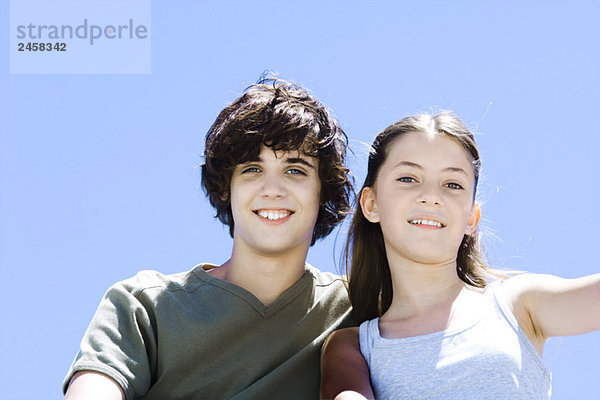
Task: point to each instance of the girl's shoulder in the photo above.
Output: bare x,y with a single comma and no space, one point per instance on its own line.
342,344
345,337
515,287
518,289
343,368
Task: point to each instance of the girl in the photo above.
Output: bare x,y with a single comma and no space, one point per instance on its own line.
432,326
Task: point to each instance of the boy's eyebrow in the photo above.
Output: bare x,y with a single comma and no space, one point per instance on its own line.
253,160
289,160
415,165
297,160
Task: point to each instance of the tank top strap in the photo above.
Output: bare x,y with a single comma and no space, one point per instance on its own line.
503,311
499,302
367,333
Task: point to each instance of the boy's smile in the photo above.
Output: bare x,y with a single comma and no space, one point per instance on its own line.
274,216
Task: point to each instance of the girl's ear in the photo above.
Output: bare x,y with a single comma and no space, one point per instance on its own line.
473,218
368,205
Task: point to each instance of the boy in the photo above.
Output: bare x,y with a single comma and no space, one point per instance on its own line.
253,326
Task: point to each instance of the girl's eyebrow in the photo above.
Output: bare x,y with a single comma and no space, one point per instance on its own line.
415,165
408,164
455,169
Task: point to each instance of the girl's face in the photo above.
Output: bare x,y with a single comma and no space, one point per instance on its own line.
423,198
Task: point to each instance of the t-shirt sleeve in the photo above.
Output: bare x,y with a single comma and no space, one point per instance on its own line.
120,342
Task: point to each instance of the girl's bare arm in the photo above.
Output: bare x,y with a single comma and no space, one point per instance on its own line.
344,372
547,306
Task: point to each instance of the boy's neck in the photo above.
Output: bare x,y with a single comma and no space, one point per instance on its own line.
266,276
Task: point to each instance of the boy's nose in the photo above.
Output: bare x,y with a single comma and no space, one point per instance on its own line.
273,187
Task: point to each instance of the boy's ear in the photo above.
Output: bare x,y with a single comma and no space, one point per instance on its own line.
368,205
224,196
473,219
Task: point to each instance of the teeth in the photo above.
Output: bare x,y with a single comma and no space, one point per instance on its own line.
273,215
426,222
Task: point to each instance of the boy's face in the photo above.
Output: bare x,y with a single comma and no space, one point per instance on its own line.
275,202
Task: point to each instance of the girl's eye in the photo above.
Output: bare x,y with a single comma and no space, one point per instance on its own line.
407,179
250,170
295,171
454,186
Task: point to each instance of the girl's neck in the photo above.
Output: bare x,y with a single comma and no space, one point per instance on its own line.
428,298
419,288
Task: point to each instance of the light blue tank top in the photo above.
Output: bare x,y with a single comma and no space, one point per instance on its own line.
490,359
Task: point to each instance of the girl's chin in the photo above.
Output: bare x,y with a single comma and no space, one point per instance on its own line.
431,258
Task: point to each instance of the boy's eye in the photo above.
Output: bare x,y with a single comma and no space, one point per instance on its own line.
407,179
295,171
250,170
453,185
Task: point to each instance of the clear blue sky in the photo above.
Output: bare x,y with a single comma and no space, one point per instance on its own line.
99,174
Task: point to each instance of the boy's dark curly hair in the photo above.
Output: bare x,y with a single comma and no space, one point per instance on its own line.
282,116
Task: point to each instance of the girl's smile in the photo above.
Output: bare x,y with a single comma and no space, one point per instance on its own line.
426,221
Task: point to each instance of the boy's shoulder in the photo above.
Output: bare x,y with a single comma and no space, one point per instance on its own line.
197,286
324,278
330,289
148,281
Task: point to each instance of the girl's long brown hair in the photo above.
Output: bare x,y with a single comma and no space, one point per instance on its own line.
369,278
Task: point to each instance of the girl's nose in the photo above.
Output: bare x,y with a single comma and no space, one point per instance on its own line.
430,196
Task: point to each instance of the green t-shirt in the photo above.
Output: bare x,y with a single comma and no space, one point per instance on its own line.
193,336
